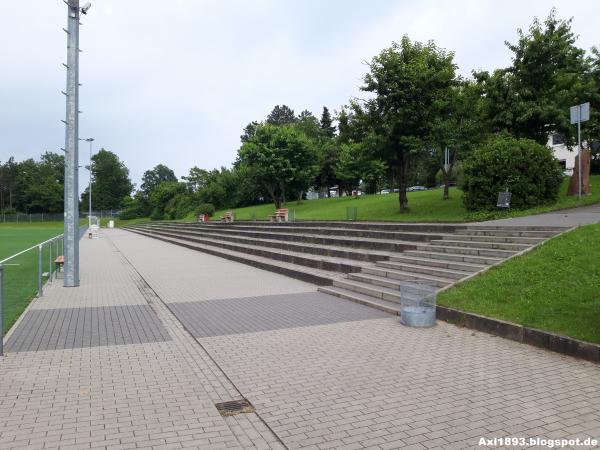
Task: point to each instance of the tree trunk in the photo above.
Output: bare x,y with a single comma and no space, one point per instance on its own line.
403,181
447,175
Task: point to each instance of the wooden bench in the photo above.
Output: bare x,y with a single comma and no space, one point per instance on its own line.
227,218
281,215
59,262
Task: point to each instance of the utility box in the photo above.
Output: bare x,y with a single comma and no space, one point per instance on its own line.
111,224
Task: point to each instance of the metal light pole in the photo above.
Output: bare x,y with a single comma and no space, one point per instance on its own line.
71,245
90,140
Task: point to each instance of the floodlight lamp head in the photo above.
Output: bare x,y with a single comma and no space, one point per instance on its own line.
86,8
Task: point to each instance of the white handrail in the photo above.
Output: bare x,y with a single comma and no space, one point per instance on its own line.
31,248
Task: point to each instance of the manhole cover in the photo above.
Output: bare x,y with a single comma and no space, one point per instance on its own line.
235,407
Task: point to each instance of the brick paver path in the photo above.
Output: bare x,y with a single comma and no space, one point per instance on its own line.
157,334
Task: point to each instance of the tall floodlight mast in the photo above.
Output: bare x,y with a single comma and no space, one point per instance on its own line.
71,239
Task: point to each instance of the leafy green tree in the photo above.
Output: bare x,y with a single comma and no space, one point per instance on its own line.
37,187
249,131
326,123
356,165
168,200
280,158
281,115
458,126
110,182
407,79
8,180
152,178
196,179
549,73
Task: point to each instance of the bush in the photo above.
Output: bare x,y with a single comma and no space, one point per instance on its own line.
205,208
528,169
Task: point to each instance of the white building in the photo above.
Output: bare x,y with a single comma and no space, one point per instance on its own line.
566,157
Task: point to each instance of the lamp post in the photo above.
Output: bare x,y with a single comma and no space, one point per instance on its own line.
90,140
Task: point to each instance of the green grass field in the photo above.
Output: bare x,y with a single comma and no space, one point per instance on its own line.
20,273
424,206
555,287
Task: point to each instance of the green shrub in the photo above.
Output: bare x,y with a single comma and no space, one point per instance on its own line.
527,169
205,208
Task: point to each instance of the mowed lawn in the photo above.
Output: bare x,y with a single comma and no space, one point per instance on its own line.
424,206
555,287
20,273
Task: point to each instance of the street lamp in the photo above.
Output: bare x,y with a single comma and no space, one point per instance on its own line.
90,140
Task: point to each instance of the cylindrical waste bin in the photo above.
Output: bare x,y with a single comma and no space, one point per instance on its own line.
417,303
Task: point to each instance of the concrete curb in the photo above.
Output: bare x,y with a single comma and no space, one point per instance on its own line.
519,333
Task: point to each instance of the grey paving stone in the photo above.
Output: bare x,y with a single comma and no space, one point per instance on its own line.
272,312
57,329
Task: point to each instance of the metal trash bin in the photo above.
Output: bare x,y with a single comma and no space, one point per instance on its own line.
417,303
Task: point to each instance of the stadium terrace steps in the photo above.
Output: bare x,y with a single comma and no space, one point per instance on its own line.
364,262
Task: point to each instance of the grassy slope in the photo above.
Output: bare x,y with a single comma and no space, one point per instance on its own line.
426,206
556,287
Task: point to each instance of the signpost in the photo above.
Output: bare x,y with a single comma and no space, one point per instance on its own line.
579,113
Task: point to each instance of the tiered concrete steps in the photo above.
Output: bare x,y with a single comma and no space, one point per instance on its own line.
358,261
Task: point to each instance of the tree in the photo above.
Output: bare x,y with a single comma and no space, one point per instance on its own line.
407,79
280,158
327,123
110,182
169,201
197,179
152,178
249,131
549,73
281,115
458,126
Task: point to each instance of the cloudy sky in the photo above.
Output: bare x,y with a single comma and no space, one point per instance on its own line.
176,81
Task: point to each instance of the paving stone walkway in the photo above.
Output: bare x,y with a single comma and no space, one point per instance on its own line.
138,356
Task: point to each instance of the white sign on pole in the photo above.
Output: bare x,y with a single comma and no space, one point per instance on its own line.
580,113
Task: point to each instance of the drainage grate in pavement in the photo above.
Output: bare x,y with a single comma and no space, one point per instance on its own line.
273,312
235,407
56,329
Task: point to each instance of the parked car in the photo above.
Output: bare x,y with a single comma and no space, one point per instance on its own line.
385,191
416,188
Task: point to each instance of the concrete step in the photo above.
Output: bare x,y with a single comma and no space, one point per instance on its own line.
393,277
369,289
351,225
308,274
383,305
472,251
323,239
508,233
480,244
303,259
430,252
441,263
493,238
410,235
516,228
316,249
441,272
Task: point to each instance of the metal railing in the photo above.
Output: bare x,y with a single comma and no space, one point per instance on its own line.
22,277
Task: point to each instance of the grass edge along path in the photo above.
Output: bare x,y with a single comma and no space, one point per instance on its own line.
555,287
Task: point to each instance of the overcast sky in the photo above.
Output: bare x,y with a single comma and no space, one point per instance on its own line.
176,81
